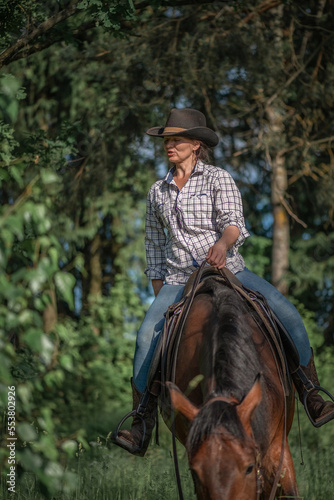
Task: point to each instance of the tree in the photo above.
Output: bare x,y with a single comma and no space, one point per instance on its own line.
76,167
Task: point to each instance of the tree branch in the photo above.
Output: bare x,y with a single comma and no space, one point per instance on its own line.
39,46
8,55
290,212
17,50
300,70
260,9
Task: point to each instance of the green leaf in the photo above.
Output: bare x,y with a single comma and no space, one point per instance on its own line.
49,177
47,349
70,447
31,461
33,339
66,362
26,432
24,392
37,278
64,285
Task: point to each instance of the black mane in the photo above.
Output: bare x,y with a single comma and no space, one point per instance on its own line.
235,364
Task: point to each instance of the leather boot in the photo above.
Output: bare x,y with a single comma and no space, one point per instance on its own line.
144,412
319,410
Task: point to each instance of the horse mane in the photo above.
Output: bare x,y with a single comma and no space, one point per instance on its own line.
235,365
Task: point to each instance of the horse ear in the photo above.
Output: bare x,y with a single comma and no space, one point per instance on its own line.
181,403
247,406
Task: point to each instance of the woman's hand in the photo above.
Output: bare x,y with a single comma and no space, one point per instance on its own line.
217,255
157,285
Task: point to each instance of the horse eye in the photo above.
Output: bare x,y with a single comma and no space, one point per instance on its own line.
249,469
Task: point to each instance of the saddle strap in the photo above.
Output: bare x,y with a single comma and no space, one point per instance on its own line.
175,319
187,305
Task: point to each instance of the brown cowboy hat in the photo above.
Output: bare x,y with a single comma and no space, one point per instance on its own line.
186,122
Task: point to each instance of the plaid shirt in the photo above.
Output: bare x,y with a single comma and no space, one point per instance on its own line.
181,225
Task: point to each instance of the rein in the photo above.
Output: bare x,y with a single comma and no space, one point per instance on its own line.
188,304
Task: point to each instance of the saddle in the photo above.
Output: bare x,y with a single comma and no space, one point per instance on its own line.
163,364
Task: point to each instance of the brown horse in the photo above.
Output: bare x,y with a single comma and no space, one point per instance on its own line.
235,418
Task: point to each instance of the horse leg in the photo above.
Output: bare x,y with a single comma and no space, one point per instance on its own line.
288,480
287,484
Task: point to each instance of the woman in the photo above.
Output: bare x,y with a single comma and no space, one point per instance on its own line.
195,213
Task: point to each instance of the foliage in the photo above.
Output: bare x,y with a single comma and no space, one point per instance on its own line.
44,23
256,253
86,356
76,95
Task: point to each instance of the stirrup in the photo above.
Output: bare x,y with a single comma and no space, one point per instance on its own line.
122,442
138,412
325,418
310,387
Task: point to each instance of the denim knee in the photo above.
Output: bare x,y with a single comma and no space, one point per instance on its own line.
284,310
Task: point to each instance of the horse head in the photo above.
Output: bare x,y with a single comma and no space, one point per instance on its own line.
222,453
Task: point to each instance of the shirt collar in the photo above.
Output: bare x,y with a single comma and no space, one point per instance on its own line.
198,169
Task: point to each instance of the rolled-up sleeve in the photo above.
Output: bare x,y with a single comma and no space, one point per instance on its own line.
155,241
228,205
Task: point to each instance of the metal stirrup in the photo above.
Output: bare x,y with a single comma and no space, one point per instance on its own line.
139,412
305,397
309,388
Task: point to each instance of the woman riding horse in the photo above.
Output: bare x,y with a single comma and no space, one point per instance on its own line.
195,213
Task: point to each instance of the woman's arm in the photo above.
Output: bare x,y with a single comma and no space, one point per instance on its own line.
155,240
217,253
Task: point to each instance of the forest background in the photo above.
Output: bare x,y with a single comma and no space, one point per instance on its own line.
80,83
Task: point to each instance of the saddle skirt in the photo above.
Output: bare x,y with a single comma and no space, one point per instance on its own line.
162,366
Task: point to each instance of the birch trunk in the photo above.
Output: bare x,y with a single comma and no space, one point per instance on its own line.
281,229
279,179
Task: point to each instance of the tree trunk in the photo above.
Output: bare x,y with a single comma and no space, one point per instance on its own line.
95,267
50,314
281,230
279,179
279,184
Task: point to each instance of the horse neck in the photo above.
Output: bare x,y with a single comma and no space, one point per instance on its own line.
234,358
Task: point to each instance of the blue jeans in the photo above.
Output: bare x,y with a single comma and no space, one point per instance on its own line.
284,310
169,294
147,336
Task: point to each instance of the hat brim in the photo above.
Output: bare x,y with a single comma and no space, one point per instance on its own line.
205,134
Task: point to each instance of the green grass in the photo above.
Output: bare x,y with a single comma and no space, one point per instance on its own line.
110,473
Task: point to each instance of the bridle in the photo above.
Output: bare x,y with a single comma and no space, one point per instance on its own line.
232,401
259,475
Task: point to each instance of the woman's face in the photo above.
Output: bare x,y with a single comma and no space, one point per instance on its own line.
179,149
